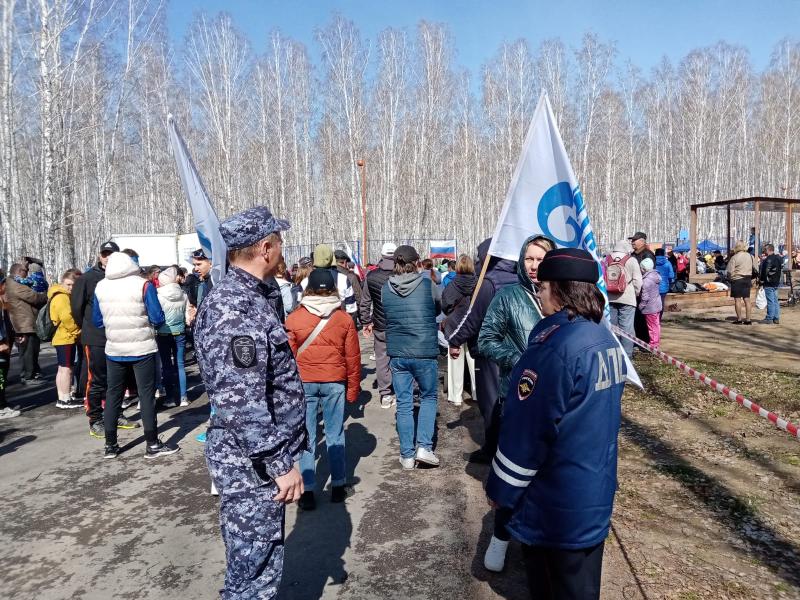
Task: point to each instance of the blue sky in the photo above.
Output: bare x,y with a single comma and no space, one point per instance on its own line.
644,31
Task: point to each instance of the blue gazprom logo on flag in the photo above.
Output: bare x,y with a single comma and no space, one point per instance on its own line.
563,218
569,226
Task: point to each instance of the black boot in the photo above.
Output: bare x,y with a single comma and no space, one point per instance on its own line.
307,501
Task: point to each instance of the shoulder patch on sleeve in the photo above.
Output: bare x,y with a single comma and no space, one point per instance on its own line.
542,336
526,384
243,349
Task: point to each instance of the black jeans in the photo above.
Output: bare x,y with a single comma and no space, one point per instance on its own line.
95,391
563,574
501,518
29,353
144,370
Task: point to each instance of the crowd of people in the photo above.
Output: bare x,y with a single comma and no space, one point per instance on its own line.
119,331
278,346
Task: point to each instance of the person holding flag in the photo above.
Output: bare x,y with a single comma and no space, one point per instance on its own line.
544,198
555,469
503,338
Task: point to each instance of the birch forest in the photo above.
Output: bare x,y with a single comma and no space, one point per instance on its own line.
86,87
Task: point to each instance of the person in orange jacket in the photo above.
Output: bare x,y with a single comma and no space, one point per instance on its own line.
64,339
324,341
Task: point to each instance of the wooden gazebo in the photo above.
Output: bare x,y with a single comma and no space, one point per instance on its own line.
757,205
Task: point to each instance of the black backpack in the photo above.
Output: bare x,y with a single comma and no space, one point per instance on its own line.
45,328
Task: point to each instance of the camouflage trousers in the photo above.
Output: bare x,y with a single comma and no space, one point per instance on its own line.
251,523
254,567
252,529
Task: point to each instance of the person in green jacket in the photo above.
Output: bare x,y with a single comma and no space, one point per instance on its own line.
503,338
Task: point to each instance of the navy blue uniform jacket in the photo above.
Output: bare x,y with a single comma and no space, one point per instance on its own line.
556,462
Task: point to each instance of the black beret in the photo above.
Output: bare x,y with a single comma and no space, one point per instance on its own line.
568,264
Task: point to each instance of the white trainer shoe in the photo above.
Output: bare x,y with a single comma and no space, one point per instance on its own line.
407,463
8,413
388,401
495,558
426,456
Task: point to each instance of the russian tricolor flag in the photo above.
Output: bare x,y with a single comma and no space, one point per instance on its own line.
443,249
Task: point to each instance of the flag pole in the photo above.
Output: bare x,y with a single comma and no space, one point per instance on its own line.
363,167
484,267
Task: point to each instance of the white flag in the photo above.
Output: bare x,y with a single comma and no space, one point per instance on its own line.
544,198
205,218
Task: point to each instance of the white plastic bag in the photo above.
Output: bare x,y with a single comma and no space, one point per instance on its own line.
761,298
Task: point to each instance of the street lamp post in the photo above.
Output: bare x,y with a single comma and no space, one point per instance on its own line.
362,166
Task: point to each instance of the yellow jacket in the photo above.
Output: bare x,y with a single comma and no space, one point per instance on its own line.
61,314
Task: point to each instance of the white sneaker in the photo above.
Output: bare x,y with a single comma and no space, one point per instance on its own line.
495,558
8,413
455,402
426,456
388,401
407,463
184,401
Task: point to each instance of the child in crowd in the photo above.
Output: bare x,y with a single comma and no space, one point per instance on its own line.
650,300
35,279
171,338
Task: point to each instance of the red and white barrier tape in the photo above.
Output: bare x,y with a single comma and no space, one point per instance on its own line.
713,384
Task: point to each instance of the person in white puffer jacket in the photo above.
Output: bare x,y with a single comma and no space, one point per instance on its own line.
127,307
171,337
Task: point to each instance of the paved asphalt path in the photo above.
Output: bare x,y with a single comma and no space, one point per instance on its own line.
76,526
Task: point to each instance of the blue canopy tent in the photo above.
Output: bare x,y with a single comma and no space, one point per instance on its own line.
704,246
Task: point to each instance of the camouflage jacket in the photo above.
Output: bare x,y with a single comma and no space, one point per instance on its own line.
258,426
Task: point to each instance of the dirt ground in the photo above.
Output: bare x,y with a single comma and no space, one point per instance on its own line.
710,335
707,507
709,493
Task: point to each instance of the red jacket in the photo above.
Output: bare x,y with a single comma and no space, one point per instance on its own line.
335,355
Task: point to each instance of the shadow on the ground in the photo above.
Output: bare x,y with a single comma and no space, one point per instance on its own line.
15,444
768,546
511,583
316,545
675,404
742,335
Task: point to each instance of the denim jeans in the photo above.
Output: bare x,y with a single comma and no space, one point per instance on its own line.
331,395
171,349
622,316
405,371
773,308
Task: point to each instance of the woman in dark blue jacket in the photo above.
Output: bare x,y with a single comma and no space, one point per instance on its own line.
556,460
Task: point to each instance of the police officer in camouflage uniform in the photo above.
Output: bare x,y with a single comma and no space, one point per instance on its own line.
257,430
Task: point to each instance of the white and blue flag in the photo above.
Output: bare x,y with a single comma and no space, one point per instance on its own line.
544,198
205,218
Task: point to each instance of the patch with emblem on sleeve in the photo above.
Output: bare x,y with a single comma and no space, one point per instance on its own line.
243,348
527,381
